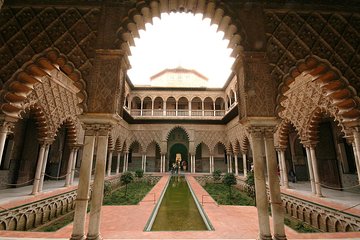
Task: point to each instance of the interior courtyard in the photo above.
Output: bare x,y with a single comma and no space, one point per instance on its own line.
75,115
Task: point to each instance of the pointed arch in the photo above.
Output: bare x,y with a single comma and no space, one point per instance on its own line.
17,91
177,127
202,142
341,96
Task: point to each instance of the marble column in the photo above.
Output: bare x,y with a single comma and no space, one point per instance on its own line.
38,169
277,210
69,167
145,163
311,171
284,168
118,162
244,164
164,163
76,150
3,135
280,168
142,162
356,148
316,172
257,143
210,164
228,163
236,163
78,232
109,162
193,166
161,163
43,168
98,188
213,163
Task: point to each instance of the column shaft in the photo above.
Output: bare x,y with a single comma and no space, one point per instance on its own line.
280,169
3,135
161,163
244,164
118,163
109,163
144,163
311,171
316,172
356,148
38,169
277,209
98,188
236,164
260,187
82,197
284,168
69,167
74,166
43,168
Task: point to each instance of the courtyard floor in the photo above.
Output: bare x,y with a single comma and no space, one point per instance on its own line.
128,222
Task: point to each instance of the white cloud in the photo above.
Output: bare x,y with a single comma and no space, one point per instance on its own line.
181,39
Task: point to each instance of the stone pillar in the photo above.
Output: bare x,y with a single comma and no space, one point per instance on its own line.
69,167
193,166
277,209
118,162
109,162
356,148
43,168
74,165
213,163
126,155
236,163
311,171
145,163
38,169
280,168
284,168
316,172
210,165
244,164
98,186
4,130
230,164
161,163
257,143
164,164
78,232
142,162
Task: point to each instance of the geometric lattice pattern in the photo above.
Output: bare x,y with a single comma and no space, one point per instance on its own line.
27,31
294,35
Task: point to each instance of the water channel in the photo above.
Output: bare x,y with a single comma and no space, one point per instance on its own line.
179,210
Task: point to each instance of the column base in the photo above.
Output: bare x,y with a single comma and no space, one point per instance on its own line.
279,237
264,237
78,237
97,237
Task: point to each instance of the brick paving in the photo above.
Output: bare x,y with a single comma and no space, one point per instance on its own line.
128,222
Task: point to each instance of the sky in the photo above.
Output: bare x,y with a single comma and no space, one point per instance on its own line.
180,40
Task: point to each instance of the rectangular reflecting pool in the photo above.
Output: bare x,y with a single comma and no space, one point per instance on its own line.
178,210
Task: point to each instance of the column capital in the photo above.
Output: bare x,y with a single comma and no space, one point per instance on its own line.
6,126
97,128
280,148
46,141
309,144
